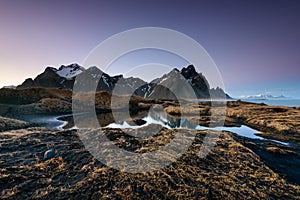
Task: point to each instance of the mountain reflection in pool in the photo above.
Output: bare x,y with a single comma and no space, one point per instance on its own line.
169,122
160,118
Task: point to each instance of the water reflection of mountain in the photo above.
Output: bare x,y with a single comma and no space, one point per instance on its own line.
173,122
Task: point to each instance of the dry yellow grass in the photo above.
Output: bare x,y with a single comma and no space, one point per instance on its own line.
282,121
230,171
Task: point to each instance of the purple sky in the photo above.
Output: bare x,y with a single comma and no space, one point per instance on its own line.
255,44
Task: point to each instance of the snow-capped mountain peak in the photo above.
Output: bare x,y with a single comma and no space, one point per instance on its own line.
69,71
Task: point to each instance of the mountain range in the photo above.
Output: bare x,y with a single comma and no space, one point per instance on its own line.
176,83
264,96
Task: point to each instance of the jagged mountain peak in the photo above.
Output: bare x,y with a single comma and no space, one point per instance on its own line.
93,68
50,69
69,71
73,66
189,71
174,73
174,70
218,93
95,72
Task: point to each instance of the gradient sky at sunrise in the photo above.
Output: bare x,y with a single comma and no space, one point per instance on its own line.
255,44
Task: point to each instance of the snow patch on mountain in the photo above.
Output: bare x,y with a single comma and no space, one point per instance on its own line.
69,71
105,80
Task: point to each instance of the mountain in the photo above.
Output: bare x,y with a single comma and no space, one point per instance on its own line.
263,96
116,84
65,76
176,83
179,83
54,78
218,93
69,71
9,87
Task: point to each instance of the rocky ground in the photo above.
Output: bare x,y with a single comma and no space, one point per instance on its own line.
230,171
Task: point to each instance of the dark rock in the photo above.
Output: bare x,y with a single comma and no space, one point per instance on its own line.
136,122
49,154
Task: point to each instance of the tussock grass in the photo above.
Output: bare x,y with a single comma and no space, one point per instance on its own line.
230,171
